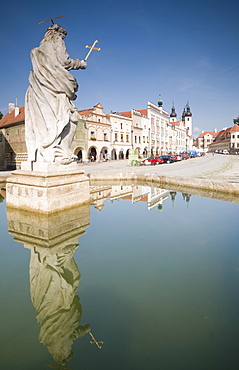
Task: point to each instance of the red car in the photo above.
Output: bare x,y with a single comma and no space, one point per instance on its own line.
152,160
177,157
184,156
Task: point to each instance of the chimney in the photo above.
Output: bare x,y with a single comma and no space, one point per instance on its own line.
17,111
215,130
11,107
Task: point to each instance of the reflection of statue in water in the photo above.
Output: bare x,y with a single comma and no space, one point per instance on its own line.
54,279
50,115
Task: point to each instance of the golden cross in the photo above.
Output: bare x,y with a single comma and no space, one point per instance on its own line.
95,341
91,48
51,19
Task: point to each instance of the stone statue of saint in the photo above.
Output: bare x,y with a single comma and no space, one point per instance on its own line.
50,115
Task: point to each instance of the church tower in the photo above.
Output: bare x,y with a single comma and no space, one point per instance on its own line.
173,115
187,118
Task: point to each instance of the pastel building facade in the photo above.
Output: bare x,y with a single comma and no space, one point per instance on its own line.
205,139
100,136
226,140
180,131
98,133
121,135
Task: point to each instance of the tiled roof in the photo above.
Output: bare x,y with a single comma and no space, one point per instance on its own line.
126,114
86,112
144,113
129,197
207,132
219,141
223,133
10,119
235,128
175,123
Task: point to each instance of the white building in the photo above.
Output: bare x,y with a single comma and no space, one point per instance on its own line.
153,124
100,136
98,132
160,133
121,135
159,122
180,131
140,131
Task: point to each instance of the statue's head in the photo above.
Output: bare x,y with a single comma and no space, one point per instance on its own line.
55,29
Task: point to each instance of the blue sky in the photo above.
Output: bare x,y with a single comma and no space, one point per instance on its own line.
184,50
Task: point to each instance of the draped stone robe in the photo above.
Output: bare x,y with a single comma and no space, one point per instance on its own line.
50,115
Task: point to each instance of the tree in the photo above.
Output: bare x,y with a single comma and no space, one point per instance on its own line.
1,115
236,120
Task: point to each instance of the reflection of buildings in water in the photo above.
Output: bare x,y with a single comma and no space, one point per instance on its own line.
54,275
140,193
186,197
120,191
173,195
98,196
157,197
2,194
160,207
152,195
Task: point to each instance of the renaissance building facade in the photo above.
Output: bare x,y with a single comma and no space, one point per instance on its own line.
100,136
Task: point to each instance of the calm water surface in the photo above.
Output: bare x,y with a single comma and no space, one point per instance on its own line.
158,285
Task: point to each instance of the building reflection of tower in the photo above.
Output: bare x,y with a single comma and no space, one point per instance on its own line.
186,197
54,275
173,196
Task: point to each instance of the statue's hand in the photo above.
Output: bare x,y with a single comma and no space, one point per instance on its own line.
83,64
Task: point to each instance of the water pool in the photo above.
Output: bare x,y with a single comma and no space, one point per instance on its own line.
152,274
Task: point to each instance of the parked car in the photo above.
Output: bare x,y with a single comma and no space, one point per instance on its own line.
177,157
168,158
152,160
184,155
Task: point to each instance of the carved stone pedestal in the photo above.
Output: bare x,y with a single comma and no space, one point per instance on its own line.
47,191
50,233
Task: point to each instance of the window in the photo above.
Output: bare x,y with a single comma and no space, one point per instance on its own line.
233,136
105,137
122,137
135,139
92,134
139,139
116,137
127,138
121,126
